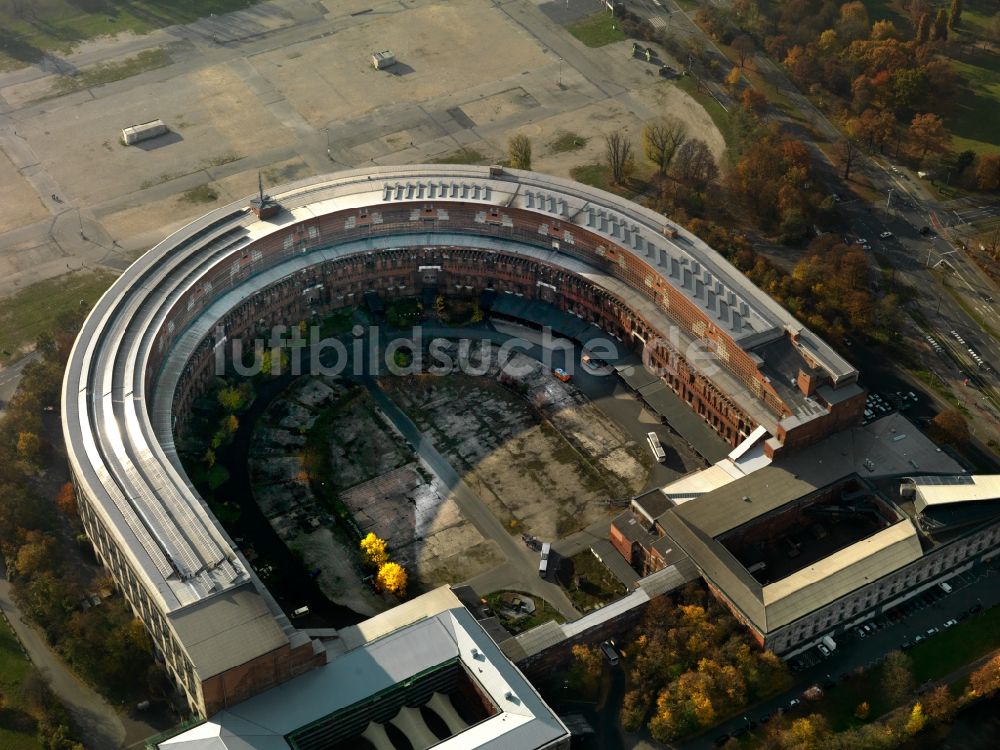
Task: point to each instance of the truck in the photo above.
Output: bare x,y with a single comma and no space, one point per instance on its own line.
829,643
656,447
543,563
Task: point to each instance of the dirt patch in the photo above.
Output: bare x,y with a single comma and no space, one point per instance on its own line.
540,455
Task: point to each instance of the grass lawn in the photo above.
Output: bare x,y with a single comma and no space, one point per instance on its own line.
719,116
34,310
16,728
462,156
957,646
588,583
566,141
149,59
544,612
337,323
200,194
599,176
597,30
968,119
57,25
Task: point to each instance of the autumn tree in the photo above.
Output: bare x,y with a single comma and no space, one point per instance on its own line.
854,22
924,29
941,25
694,165
660,140
862,711
955,14
808,733
36,554
939,704
753,100
744,47
66,499
374,550
391,577
519,151
916,720
847,151
29,446
928,133
988,172
733,79
897,677
618,149
949,426
882,30
587,666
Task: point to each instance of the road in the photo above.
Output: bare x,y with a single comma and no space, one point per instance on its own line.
96,721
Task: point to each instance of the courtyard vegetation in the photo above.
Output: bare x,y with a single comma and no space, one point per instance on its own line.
690,664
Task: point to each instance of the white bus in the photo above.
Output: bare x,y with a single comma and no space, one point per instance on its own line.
543,563
654,445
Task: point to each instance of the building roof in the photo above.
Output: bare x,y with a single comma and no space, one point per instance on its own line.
633,528
741,501
604,551
963,488
218,633
839,574
433,631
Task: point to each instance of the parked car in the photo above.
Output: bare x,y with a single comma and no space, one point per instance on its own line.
793,702
949,623
823,649
886,235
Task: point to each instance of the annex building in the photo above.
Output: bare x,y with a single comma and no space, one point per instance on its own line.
424,673
813,543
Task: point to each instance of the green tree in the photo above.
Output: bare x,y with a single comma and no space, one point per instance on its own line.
232,398
519,152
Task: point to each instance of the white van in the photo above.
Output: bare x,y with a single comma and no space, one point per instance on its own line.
301,612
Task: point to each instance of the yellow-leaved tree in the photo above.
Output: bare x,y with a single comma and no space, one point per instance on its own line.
391,577
375,550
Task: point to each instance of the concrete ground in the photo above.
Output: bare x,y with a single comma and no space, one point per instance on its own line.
285,87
